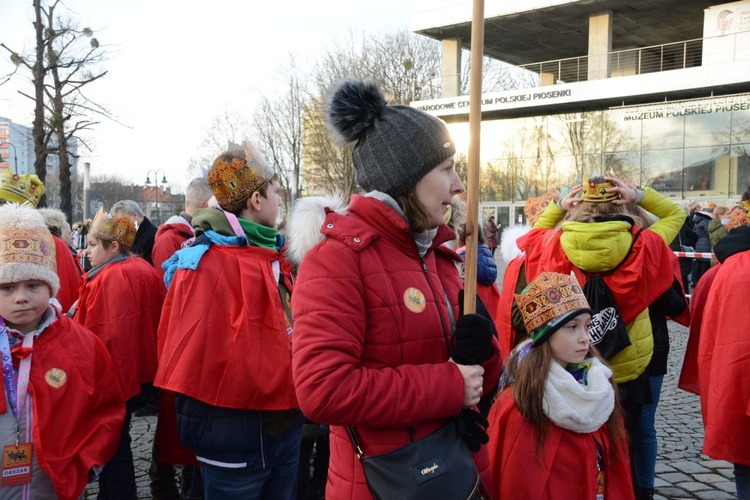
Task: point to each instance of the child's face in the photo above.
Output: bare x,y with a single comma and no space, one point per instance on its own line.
22,304
97,253
269,209
570,344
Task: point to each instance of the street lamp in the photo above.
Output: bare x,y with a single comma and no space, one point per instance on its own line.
15,158
163,181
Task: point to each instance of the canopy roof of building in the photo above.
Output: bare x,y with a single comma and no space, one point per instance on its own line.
542,30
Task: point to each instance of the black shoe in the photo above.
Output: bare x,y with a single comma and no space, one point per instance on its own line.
645,494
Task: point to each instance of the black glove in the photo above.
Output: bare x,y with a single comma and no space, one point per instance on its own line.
472,425
473,340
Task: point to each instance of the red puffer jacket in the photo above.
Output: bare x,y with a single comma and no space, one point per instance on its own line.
371,337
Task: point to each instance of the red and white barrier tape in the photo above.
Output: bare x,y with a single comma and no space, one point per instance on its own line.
696,255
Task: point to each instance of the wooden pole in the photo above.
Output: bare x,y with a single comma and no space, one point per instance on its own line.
472,188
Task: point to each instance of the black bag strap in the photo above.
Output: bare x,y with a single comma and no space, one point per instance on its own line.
355,442
624,259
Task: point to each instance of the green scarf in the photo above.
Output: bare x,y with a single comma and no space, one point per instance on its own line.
258,234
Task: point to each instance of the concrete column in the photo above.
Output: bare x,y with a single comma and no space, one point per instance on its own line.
600,44
451,71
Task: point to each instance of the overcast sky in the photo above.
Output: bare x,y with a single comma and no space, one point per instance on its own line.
177,64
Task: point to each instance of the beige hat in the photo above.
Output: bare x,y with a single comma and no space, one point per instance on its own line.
27,250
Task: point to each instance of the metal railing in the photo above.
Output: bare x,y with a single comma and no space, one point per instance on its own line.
638,61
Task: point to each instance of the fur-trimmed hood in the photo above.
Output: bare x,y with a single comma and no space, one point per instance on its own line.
508,248
305,220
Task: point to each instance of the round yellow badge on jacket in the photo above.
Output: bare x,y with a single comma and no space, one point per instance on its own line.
414,300
56,377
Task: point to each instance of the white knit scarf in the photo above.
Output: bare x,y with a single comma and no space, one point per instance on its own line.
575,407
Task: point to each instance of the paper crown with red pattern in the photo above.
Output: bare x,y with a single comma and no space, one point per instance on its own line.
535,206
27,250
119,228
21,189
548,301
595,189
740,216
235,180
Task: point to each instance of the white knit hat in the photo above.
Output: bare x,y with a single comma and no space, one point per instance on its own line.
27,250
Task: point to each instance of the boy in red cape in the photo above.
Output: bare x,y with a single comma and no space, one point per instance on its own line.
64,415
225,338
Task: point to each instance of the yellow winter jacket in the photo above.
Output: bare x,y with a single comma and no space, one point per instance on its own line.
599,246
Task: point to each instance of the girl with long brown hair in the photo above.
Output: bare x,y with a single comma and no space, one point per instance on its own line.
556,427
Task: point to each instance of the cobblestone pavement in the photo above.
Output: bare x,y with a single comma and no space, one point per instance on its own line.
681,470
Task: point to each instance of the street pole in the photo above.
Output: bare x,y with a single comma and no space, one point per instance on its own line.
156,184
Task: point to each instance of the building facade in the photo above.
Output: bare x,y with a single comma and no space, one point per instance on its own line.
657,91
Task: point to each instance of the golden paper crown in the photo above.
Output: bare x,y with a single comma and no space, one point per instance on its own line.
113,228
548,297
233,182
24,188
535,206
739,217
595,189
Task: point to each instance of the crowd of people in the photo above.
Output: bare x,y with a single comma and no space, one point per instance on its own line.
306,364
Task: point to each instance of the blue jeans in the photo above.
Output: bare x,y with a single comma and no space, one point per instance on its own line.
742,481
275,478
645,439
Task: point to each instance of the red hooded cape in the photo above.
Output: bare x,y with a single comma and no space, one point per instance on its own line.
169,239
724,363
69,274
223,335
566,466
78,424
121,305
689,374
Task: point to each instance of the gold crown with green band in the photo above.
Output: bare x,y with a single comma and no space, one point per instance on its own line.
21,189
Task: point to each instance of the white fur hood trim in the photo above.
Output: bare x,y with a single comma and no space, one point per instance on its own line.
510,235
576,407
305,219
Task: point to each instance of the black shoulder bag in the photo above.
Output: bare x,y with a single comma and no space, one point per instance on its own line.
437,466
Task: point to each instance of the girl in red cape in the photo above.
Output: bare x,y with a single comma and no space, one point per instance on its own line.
556,428
120,300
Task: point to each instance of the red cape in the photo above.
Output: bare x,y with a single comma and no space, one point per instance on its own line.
78,424
724,363
169,239
122,305
634,286
689,374
565,468
69,274
505,332
223,335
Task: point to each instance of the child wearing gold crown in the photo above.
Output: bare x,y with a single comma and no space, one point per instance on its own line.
61,412
120,300
556,428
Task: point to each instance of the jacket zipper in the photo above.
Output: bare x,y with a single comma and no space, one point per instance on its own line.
427,278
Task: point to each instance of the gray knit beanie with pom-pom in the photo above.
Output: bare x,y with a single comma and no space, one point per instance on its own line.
394,146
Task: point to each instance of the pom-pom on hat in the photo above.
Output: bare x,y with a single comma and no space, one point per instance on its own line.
27,251
24,188
235,177
119,228
595,189
548,302
394,146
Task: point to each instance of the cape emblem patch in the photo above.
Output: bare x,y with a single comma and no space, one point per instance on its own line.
56,377
414,300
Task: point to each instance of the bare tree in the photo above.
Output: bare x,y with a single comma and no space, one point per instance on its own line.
231,125
279,127
70,56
